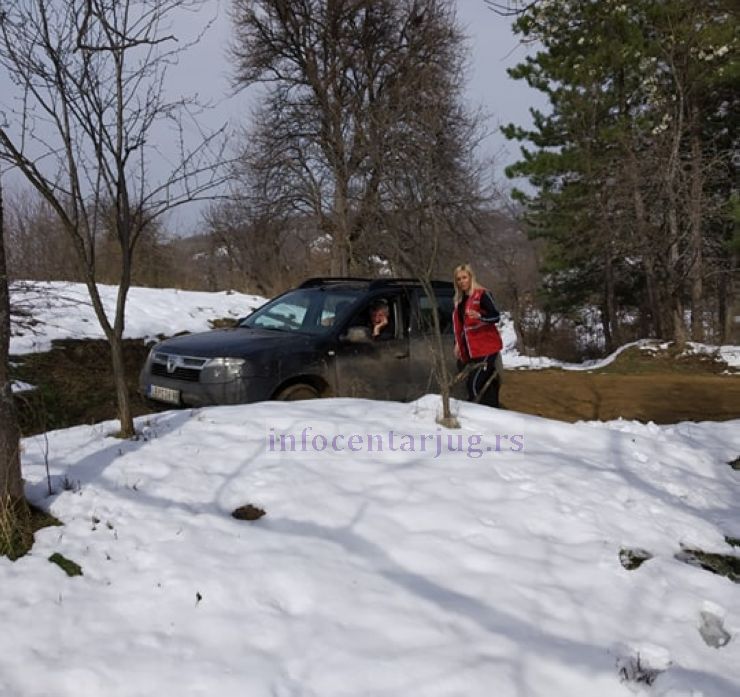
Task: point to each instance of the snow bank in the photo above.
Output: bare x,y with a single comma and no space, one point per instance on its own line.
493,569
64,311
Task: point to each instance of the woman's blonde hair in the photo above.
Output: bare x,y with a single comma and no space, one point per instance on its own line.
468,269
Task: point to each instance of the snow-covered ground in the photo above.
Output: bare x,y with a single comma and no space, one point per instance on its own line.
64,311
18,386
391,561
485,571
729,354
513,359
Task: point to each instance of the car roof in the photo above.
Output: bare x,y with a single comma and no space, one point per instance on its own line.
371,283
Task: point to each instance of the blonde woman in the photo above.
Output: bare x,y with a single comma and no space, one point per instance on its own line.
476,336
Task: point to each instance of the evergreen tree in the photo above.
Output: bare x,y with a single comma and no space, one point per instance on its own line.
632,166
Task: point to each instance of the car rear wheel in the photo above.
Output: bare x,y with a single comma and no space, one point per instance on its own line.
297,392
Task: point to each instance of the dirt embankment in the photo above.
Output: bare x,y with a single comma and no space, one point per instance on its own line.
664,387
74,386
661,398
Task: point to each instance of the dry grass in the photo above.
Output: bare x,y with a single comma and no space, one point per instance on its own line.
16,528
74,384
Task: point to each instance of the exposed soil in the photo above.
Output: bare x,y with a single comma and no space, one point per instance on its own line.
74,386
661,386
660,397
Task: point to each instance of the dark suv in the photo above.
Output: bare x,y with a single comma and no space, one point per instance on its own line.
309,342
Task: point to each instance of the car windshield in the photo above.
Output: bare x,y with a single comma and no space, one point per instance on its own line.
309,310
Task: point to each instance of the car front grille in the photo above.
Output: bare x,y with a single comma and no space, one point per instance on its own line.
186,368
179,373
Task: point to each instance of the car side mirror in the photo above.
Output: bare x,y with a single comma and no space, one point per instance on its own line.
357,335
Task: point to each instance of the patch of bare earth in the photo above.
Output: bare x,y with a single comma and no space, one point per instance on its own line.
663,387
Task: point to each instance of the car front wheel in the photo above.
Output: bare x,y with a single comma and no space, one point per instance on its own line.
297,392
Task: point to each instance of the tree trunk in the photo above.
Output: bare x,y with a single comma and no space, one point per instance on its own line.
606,326
516,317
726,306
677,306
444,380
119,376
656,319
15,533
695,217
644,243
116,342
679,325
608,312
114,336
543,336
340,253
667,315
448,420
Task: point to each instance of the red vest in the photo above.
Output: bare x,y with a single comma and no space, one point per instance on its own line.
474,338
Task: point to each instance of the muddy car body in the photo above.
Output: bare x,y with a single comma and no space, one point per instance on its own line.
308,342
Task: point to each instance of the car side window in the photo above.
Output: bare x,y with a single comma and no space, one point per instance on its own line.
445,307
335,309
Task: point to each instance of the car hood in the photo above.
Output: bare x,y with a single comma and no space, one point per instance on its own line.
240,342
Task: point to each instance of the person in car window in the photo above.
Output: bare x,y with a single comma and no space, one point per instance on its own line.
380,326
477,338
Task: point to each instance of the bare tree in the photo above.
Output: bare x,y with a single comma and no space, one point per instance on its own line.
15,535
341,85
510,8
364,131
512,269
36,246
262,250
91,104
432,190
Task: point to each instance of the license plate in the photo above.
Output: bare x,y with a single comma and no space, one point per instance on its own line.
164,394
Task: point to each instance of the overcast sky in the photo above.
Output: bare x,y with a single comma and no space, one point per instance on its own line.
205,69
494,48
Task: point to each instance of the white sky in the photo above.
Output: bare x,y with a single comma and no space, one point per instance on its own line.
206,70
494,48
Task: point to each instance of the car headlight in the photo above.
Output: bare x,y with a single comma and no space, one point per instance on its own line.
150,356
225,368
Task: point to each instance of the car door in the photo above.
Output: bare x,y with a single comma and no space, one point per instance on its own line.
423,346
375,369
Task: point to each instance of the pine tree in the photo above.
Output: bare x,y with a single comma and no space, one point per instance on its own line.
632,166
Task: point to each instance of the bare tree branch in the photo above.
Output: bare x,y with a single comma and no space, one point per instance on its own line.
93,74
